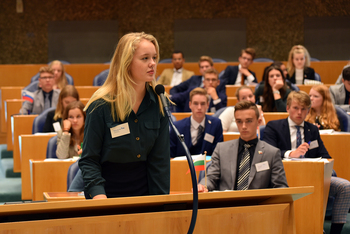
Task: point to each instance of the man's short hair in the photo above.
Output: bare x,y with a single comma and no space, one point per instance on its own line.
46,69
205,58
240,88
212,71
346,73
250,51
247,105
199,91
301,97
178,52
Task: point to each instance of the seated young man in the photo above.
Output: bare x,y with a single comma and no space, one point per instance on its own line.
340,94
201,132
297,138
234,162
43,98
176,75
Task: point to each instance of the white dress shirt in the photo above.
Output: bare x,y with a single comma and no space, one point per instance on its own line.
293,136
177,77
248,81
194,129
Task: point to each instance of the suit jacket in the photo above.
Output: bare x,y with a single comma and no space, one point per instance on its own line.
309,74
180,95
277,134
222,172
38,102
167,76
212,126
230,76
338,96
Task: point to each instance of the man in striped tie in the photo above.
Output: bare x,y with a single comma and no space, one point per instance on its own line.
246,163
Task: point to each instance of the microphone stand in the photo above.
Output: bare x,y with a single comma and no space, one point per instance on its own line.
192,170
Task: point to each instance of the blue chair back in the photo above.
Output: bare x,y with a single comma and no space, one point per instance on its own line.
72,171
314,60
51,147
263,60
262,129
202,173
39,121
344,118
218,60
219,112
68,77
33,86
317,77
100,78
167,60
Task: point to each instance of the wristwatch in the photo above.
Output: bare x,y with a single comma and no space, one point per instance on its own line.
276,91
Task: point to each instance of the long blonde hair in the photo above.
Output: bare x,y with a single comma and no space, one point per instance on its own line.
67,91
118,88
328,115
297,49
62,81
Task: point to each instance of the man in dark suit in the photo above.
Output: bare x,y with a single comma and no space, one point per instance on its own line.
234,74
209,80
246,163
340,94
43,98
297,138
201,132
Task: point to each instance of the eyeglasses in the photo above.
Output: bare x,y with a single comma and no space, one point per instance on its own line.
46,77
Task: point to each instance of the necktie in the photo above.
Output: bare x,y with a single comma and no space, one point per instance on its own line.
298,136
46,101
244,169
199,134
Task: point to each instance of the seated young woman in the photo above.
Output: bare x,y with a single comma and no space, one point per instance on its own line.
67,95
322,112
298,65
227,117
59,74
69,140
272,94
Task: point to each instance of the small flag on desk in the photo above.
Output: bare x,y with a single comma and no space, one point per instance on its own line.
199,163
28,96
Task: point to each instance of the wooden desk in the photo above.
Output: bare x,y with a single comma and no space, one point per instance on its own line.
275,116
8,93
228,136
255,211
231,101
33,147
62,196
232,89
12,107
86,91
48,176
167,88
337,146
306,88
182,115
22,124
84,100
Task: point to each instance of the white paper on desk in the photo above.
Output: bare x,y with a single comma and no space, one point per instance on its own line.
326,131
45,133
194,157
58,159
306,159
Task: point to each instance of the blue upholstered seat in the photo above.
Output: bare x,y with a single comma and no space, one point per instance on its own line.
39,121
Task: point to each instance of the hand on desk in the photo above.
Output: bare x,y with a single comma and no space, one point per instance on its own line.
100,196
202,188
301,150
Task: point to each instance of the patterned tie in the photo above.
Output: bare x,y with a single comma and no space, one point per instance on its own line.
298,136
244,169
46,101
199,134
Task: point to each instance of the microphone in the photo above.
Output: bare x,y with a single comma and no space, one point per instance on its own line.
160,91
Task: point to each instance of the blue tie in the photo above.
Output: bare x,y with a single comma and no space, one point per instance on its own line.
298,136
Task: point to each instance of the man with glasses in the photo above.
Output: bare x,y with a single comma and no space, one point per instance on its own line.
45,97
240,75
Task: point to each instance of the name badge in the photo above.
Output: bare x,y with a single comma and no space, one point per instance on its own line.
120,130
313,144
56,126
262,166
209,138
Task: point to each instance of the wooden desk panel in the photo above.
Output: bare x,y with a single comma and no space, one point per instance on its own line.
48,176
306,88
167,88
182,115
33,147
231,101
22,124
337,146
12,107
275,116
232,89
86,91
8,93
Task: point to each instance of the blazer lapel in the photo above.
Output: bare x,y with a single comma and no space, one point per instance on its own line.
342,94
286,132
233,161
187,132
207,129
258,157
